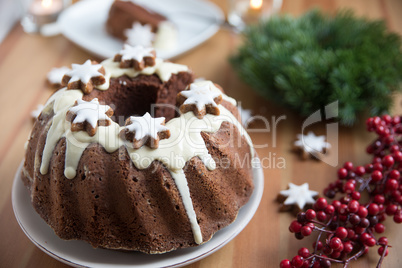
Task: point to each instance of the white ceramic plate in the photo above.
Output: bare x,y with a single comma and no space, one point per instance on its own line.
81,254
84,24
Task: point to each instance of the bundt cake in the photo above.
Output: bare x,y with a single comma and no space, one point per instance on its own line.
137,24
112,161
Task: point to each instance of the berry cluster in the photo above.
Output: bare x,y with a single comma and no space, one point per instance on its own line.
368,195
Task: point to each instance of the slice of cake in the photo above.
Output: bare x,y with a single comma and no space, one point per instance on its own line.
136,24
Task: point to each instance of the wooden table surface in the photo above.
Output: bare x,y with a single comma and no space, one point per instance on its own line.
26,59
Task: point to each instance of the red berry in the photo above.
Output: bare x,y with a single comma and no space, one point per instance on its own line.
297,261
335,243
330,209
321,216
341,232
321,203
356,195
303,252
396,120
351,233
319,245
306,230
373,209
342,173
360,170
353,206
397,156
383,241
343,209
381,251
376,176
285,264
370,242
392,185
354,219
387,118
348,187
364,237
388,161
377,166
379,199
295,227
310,214
394,174
336,203
362,212
398,217
336,254
379,228
348,165
323,263
347,247
360,230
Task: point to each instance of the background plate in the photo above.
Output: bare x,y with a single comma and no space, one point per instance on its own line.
84,24
81,254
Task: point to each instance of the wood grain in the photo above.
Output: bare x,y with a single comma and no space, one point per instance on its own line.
26,59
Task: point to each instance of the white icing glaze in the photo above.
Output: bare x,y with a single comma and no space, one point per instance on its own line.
62,100
139,34
55,75
311,143
145,125
181,183
135,52
90,111
299,195
163,69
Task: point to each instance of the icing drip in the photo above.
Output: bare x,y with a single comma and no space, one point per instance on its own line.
163,69
181,183
62,100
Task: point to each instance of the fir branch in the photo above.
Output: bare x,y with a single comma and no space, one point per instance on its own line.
308,62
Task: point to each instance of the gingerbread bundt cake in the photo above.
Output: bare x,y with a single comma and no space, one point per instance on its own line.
101,169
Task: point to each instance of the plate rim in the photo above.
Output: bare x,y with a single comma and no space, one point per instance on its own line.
215,13
258,178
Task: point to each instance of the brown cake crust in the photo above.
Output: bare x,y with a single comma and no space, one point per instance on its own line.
123,14
112,204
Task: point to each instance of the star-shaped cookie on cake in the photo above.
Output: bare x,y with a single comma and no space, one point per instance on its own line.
137,57
199,99
88,115
145,130
296,197
84,76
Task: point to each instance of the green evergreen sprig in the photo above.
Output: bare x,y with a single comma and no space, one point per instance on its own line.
308,62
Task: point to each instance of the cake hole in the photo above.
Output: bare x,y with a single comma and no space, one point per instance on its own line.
96,196
177,207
